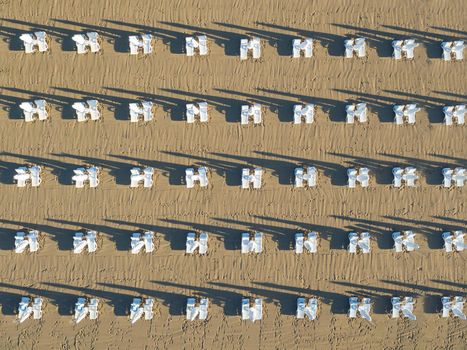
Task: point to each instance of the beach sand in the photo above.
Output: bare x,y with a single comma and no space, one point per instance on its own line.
224,210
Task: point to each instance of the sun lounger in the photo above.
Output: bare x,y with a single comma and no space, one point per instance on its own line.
88,108
197,241
140,307
140,176
453,50
201,175
33,40
362,176
198,111
355,46
405,113
28,307
86,307
453,241
196,44
304,113
252,46
453,305
139,43
305,176
196,309
454,114
302,46
88,175
359,241
252,113
252,177
309,309
87,42
404,241
82,241
407,175
252,244
140,241
27,239
404,48
252,312
28,175
35,108
141,111
356,111
309,241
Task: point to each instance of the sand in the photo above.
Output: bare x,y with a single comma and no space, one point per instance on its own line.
223,210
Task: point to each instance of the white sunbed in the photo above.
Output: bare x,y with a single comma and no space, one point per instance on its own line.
31,109
307,175
197,110
410,176
304,113
362,176
404,48
405,113
28,307
252,112
308,241
201,175
33,40
141,111
454,114
195,44
89,107
28,239
140,241
252,313
25,175
453,241
304,46
196,309
252,45
309,309
82,241
359,241
87,41
355,46
141,42
252,244
404,241
454,305
140,176
453,50
197,241
85,307
252,176
356,111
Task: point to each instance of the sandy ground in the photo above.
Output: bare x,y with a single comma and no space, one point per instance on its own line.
223,210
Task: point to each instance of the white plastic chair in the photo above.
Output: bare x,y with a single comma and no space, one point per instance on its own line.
356,111
252,45
304,113
304,46
355,46
197,110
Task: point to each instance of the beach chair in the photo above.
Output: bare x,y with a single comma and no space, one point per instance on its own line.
405,307
27,239
141,111
252,177
453,241
88,175
88,42
252,312
355,47
140,177
356,111
453,50
309,241
302,47
306,176
362,308
197,309
200,175
196,44
454,306
142,240
252,243
404,241
33,42
404,48
86,307
405,113
359,242
252,46
29,307
454,114
198,111
309,309
197,241
140,43
456,177
304,113
28,175
87,110
86,240
361,176
251,112
140,307
407,175
36,109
